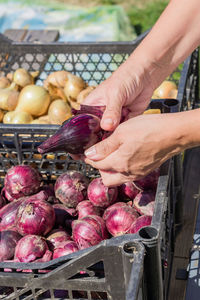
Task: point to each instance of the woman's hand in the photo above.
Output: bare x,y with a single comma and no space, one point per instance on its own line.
129,87
137,147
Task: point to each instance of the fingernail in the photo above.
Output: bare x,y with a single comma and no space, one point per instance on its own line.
108,121
91,152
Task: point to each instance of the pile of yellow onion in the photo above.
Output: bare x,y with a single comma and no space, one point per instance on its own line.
24,102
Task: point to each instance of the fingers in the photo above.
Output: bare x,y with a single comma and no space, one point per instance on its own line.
113,179
103,148
112,115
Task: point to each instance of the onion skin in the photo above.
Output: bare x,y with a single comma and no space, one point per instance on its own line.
110,208
56,237
22,180
71,188
144,203
139,223
8,214
65,248
100,195
30,247
86,208
8,242
149,182
35,217
119,220
89,231
74,136
64,215
128,191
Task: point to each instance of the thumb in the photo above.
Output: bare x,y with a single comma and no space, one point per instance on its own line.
103,148
112,115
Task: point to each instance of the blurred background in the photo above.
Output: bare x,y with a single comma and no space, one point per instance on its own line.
79,20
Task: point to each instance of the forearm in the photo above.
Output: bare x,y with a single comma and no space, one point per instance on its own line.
174,36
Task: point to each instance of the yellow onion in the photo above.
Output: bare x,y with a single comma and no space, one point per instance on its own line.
84,93
1,115
34,100
22,77
74,86
57,79
8,117
21,117
10,76
38,121
8,99
59,111
4,82
164,89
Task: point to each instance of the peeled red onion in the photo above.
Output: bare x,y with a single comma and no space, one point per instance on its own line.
128,190
89,231
139,223
144,203
149,182
22,180
74,136
64,215
57,237
86,208
101,195
30,247
65,248
8,242
35,217
119,220
71,188
8,214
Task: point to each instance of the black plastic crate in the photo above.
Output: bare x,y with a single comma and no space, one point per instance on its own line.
18,144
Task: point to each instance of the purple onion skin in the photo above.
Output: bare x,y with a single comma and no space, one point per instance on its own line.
74,136
144,203
128,191
65,248
8,214
101,195
71,188
119,220
57,237
149,182
35,217
8,242
86,208
22,180
112,207
87,234
64,215
50,194
139,223
30,247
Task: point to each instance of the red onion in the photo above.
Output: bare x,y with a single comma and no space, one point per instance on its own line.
101,195
8,214
71,188
120,219
35,217
74,136
21,181
64,215
128,190
56,237
86,208
8,242
139,223
50,195
149,182
2,198
30,247
65,248
89,231
144,203
110,208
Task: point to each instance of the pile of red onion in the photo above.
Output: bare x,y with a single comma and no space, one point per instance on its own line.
40,222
